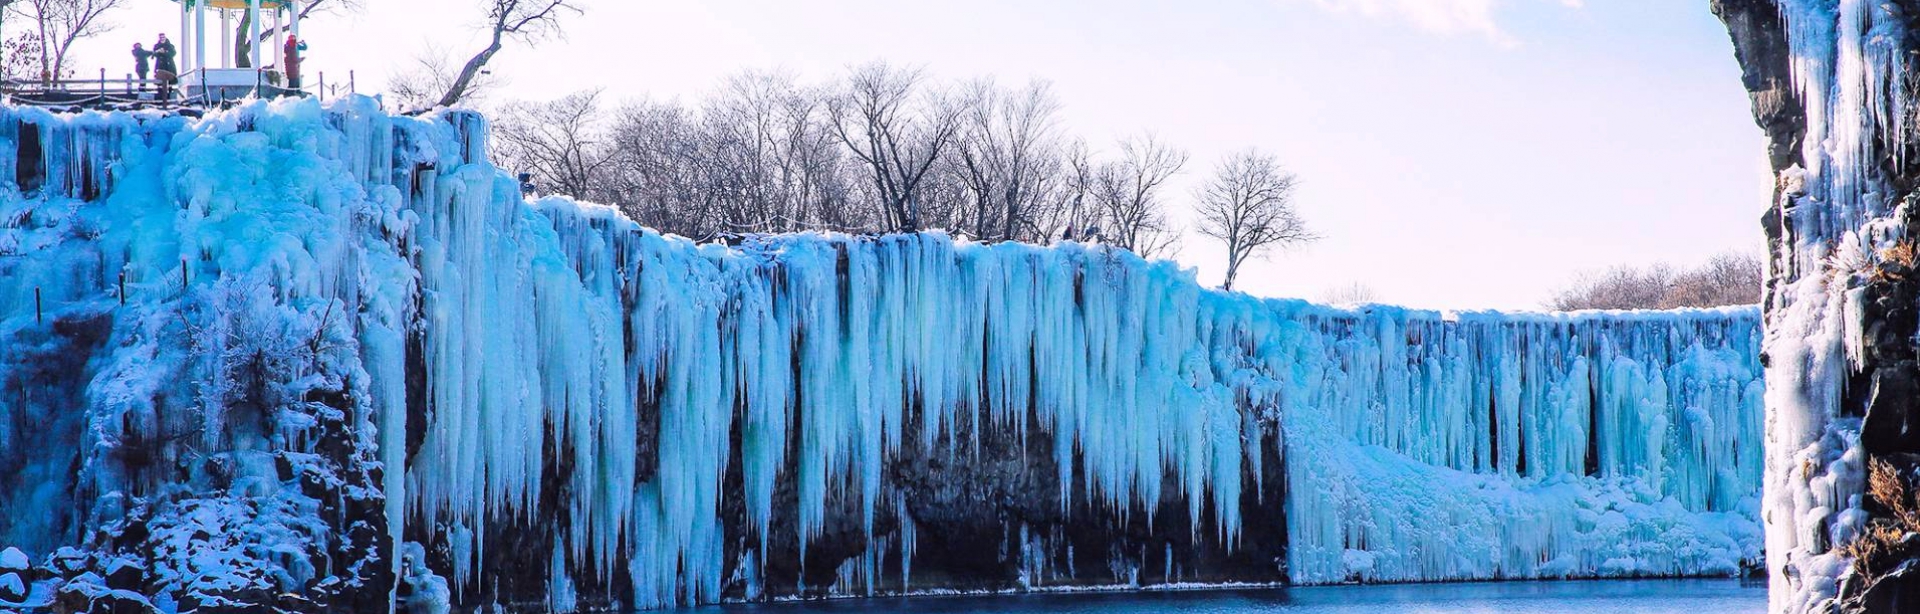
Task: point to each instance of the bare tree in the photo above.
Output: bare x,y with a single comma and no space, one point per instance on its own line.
1248,205
897,131
432,73
1009,156
60,23
10,50
1727,279
560,143
1355,293
660,174
1075,209
525,20
20,53
1130,192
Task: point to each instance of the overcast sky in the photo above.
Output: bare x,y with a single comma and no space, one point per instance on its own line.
1453,153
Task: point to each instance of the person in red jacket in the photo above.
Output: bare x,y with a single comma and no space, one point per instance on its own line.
293,49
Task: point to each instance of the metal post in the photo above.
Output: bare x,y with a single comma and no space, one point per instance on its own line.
123,287
293,13
37,317
183,275
350,88
253,31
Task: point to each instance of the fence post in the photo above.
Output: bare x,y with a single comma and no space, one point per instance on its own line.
350,84
38,317
183,275
323,85
123,288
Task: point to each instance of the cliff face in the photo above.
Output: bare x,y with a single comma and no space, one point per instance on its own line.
323,358
1832,84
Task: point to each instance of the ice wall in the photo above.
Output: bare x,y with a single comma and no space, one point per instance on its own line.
1831,83
349,355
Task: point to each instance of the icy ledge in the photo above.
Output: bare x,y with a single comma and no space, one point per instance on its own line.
351,365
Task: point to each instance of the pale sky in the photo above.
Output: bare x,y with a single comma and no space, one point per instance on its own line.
1453,153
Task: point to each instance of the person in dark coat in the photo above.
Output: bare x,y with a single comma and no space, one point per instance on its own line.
293,49
164,70
140,61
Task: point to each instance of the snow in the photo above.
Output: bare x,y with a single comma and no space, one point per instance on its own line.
1418,445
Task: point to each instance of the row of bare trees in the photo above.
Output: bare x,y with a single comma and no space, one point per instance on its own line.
1726,279
48,29
885,149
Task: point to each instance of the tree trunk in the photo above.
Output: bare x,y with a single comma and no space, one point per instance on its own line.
46,70
243,41
458,91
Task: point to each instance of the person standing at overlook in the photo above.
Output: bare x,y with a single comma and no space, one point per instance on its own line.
293,49
140,64
164,68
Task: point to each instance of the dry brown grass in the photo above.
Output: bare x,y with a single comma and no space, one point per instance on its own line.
1902,252
1884,544
1897,262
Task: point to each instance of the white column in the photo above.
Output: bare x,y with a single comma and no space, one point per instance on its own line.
186,41
293,13
279,50
200,35
226,38
253,25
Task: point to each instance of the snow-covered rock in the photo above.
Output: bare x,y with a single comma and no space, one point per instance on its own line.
12,588
12,559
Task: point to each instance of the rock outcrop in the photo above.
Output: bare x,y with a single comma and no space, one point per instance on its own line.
1833,86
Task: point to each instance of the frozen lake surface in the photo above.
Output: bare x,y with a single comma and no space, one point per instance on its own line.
1608,596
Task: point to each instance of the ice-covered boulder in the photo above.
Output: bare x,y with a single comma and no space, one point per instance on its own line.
13,588
12,559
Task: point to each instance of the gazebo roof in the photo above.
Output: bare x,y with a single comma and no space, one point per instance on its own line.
236,4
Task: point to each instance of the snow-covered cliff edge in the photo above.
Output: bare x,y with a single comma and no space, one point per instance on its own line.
326,358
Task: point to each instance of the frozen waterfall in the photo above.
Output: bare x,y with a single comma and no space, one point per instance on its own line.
298,322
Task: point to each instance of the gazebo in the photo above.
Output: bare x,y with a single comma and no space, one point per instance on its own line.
222,80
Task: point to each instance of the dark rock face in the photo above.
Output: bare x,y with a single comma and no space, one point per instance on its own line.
990,518
1760,44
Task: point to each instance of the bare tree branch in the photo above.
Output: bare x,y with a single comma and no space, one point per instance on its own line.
1130,195
524,20
897,131
61,23
432,73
